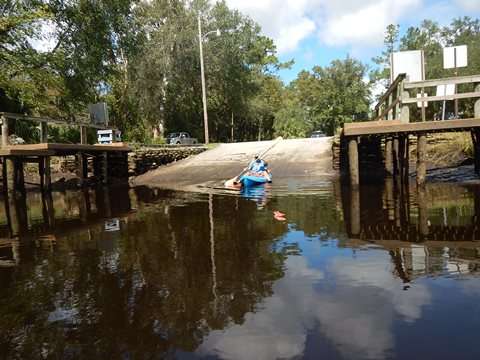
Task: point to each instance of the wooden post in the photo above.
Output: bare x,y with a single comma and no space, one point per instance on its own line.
355,211
353,162
421,158
45,175
389,199
390,112
389,155
100,167
5,131
79,167
406,168
396,157
423,106
475,133
104,167
405,111
4,175
44,132
401,156
10,173
476,107
47,208
19,176
83,135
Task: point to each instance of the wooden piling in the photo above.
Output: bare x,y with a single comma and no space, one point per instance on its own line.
5,130
475,133
19,176
79,168
354,211
45,173
396,157
421,158
48,208
10,173
406,165
353,162
389,155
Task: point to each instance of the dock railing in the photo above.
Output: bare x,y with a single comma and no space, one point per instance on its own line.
394,104
5,118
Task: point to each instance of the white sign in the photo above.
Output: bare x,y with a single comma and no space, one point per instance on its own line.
455,57
407,62
444,90
425,103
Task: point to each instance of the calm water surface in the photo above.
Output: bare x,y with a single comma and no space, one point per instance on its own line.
291,271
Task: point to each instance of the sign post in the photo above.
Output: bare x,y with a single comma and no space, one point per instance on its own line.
453,58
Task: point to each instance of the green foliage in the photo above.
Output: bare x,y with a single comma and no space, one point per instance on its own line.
63,134
325,99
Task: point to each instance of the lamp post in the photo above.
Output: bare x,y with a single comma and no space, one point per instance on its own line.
202,73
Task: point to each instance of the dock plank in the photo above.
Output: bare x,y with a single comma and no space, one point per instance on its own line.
397,126
57,148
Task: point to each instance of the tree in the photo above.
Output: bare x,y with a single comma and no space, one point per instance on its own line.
89,39
25,76
381,75
327,97
166,72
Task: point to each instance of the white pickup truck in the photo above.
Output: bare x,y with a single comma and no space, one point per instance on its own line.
182,138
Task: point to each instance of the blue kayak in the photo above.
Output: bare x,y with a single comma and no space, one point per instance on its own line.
248,180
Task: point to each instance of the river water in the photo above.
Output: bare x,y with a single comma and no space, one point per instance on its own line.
288,271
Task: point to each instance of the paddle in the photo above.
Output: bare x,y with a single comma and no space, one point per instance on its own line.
234,181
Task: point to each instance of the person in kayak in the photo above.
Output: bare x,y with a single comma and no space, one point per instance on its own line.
259,167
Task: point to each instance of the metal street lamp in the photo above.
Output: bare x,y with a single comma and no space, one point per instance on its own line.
202,72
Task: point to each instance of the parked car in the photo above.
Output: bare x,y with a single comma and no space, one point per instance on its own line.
317,134
181,138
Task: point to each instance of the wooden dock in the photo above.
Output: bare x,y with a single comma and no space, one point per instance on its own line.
393,125
13,157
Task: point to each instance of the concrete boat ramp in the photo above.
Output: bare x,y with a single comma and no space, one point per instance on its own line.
299,160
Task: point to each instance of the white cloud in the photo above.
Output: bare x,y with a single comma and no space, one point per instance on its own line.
337,23
471,5
364,23
287,21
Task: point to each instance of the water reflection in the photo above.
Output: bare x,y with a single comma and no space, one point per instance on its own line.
138,273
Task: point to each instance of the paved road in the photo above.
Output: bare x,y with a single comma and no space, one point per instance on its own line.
297,159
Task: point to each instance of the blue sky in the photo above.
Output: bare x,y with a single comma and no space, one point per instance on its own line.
316,32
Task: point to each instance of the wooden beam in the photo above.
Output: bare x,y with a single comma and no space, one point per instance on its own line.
445,81
53,121
445,97
120,146
397,126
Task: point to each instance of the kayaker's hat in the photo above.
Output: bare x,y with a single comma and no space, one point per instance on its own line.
256,156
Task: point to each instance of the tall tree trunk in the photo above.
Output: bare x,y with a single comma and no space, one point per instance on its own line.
158,129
